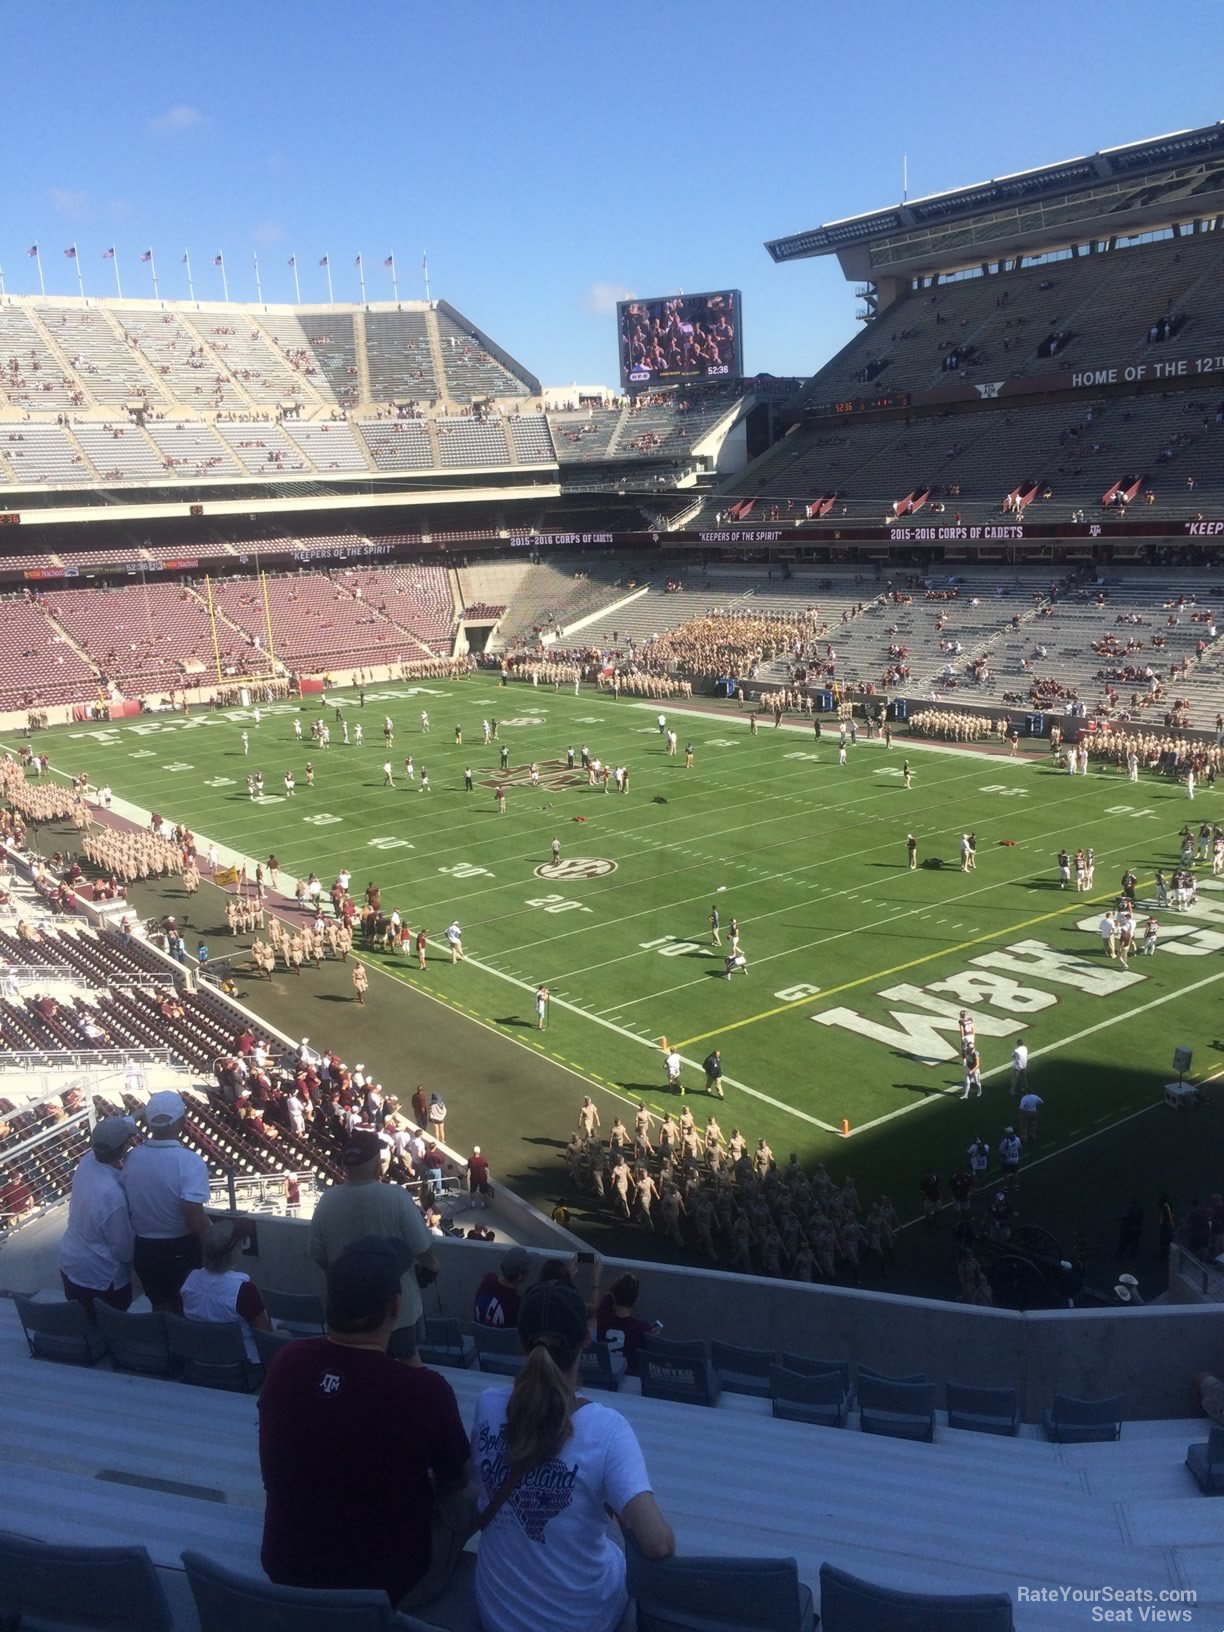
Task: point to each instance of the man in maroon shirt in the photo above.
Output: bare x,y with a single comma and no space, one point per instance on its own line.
353,1447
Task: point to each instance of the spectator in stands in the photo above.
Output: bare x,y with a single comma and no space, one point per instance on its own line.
499,1295
365,1462
167,1189
618,1326
95,1252
478,1178
550,1468
365,1205
219,1292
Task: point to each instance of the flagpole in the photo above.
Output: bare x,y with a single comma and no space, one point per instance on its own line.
297,287
224,279
153,271
331,299
425,267
76,256
361,276
3,290
118,285
187,264
258,285
394,279
42,286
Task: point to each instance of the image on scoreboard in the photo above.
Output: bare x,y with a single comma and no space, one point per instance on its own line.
680,337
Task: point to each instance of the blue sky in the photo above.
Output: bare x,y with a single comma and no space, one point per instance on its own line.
552,157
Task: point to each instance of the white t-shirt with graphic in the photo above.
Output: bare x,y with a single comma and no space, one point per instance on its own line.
548,1559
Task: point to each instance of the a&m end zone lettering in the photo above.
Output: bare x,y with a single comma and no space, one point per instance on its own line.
929,1029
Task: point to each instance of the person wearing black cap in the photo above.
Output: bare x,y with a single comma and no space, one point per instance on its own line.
96,1250
364,1461
363,1206
549,1466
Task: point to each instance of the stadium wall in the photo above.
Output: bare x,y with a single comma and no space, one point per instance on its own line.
1149,1355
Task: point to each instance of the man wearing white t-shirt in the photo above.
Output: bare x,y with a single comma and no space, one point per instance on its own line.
672,1066
95,1252
1019,1064
167,1188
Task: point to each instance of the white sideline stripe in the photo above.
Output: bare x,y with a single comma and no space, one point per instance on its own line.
1049,1048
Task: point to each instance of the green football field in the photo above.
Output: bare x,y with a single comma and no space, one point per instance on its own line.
857,966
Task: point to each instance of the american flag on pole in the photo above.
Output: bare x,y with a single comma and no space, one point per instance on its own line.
33,250
108,254
357,262
293,260
390,261
323,260
184,258
71,253
147,256
218,260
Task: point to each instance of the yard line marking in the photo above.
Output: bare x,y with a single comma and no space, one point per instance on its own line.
998,935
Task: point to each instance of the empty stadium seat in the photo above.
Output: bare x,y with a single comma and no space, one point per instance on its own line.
60,1331
671,1370
717,1594
600,1368
446,1343
905,1410
984,1410
499,1350
1206,1463
1072,1421
228,1602
850,1605
300,1313
96,1589
818,1397
740,1370
136,1342
269,1344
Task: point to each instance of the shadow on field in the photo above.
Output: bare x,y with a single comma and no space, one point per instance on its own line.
513,1020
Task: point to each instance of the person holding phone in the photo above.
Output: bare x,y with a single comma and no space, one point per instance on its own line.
618,1326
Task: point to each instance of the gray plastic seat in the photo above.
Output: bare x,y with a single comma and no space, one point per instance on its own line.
60,1331
850,1605
269,1344
99,1589
902,1410
1206,1463
820,1399
136,1342
717,1594
983,1410
446,1343
498,1350
212,1353
600,1368
915,1378
227,1602
742,1371
672,1370
1071,1421
808,1367
298,1312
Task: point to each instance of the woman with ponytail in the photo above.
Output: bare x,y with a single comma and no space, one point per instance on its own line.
552,1466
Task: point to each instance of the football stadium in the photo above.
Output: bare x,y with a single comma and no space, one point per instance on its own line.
701,893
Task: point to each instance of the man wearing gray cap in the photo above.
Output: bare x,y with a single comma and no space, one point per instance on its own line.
364,1206
167,1189
95,1254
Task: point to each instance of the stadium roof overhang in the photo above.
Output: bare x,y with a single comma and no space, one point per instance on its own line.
1118,192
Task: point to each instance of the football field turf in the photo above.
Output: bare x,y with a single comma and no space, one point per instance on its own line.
857,967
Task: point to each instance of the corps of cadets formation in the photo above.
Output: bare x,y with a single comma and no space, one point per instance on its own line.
726,1199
